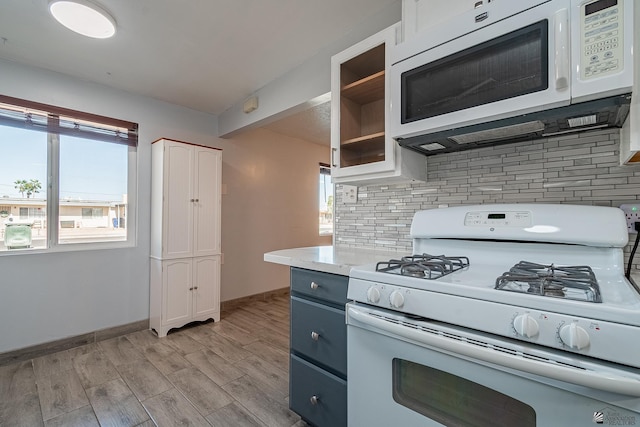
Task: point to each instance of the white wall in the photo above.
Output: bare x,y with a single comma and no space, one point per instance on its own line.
44,297
271,203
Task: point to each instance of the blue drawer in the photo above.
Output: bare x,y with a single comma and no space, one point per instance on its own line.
329,348
323,286
329,407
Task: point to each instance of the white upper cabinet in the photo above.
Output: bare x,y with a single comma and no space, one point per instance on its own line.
418,15
185,220
361,150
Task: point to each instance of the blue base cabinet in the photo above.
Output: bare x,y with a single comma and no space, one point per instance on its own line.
318,358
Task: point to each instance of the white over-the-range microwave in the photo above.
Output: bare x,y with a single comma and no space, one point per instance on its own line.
515,70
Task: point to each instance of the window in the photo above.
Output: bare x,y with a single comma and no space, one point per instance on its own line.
326,201
67,178
90,213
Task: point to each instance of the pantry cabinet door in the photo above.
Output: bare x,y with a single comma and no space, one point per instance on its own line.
177,298
206,280
178,201
206,208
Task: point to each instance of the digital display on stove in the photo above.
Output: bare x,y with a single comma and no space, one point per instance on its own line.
498,219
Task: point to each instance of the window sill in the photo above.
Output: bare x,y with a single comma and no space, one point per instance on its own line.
75,247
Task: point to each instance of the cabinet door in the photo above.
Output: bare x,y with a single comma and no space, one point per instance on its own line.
360,107
177,298
177,205
418,15
208,174
206,284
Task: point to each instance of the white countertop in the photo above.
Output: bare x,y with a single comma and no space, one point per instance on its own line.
328,259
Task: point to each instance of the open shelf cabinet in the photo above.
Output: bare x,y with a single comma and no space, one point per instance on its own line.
361,149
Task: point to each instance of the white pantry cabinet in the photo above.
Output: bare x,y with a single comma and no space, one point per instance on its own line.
362,152
185,234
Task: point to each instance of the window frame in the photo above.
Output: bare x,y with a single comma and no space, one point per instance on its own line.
53,173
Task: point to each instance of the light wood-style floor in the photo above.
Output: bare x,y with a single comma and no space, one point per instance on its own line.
230,373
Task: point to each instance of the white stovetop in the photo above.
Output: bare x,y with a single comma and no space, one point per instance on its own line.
329,259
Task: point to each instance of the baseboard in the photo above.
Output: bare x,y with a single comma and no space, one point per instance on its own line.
264,296
40,350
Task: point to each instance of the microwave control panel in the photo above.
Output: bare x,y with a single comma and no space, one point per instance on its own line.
602,44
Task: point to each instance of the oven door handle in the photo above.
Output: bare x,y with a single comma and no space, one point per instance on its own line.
604,381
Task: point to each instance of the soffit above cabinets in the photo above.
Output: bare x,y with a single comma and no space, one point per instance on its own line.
313,125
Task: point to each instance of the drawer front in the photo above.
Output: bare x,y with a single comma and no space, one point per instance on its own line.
319,332
329,409
324,286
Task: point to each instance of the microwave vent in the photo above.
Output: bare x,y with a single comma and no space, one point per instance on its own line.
595,114
497,134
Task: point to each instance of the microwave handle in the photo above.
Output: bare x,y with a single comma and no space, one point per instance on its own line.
604,381
562,53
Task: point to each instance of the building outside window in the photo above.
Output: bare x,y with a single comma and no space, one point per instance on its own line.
326,201
67,178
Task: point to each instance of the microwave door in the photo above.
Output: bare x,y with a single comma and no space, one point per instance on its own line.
515,66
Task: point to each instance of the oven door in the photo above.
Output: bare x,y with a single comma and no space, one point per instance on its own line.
514,66
418,373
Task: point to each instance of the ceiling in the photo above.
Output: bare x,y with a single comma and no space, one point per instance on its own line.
202,54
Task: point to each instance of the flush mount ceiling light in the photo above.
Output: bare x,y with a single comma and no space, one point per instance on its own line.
83,17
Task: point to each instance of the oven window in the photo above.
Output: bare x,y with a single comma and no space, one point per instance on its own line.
511,65
455,401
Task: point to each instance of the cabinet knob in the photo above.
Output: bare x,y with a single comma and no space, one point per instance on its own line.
197,200
195,287
314,285
315,336
192,200
314,400
190,289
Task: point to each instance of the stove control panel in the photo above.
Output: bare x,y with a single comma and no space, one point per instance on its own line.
498,219
570,333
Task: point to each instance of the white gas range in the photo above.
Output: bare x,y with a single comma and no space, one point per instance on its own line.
533,294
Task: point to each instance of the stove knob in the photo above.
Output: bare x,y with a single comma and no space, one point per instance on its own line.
373,295
396,299
526,325
574,336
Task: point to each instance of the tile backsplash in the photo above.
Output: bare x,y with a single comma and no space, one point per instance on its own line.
577,168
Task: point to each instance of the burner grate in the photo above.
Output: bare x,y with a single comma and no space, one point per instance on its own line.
569,282
423,266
